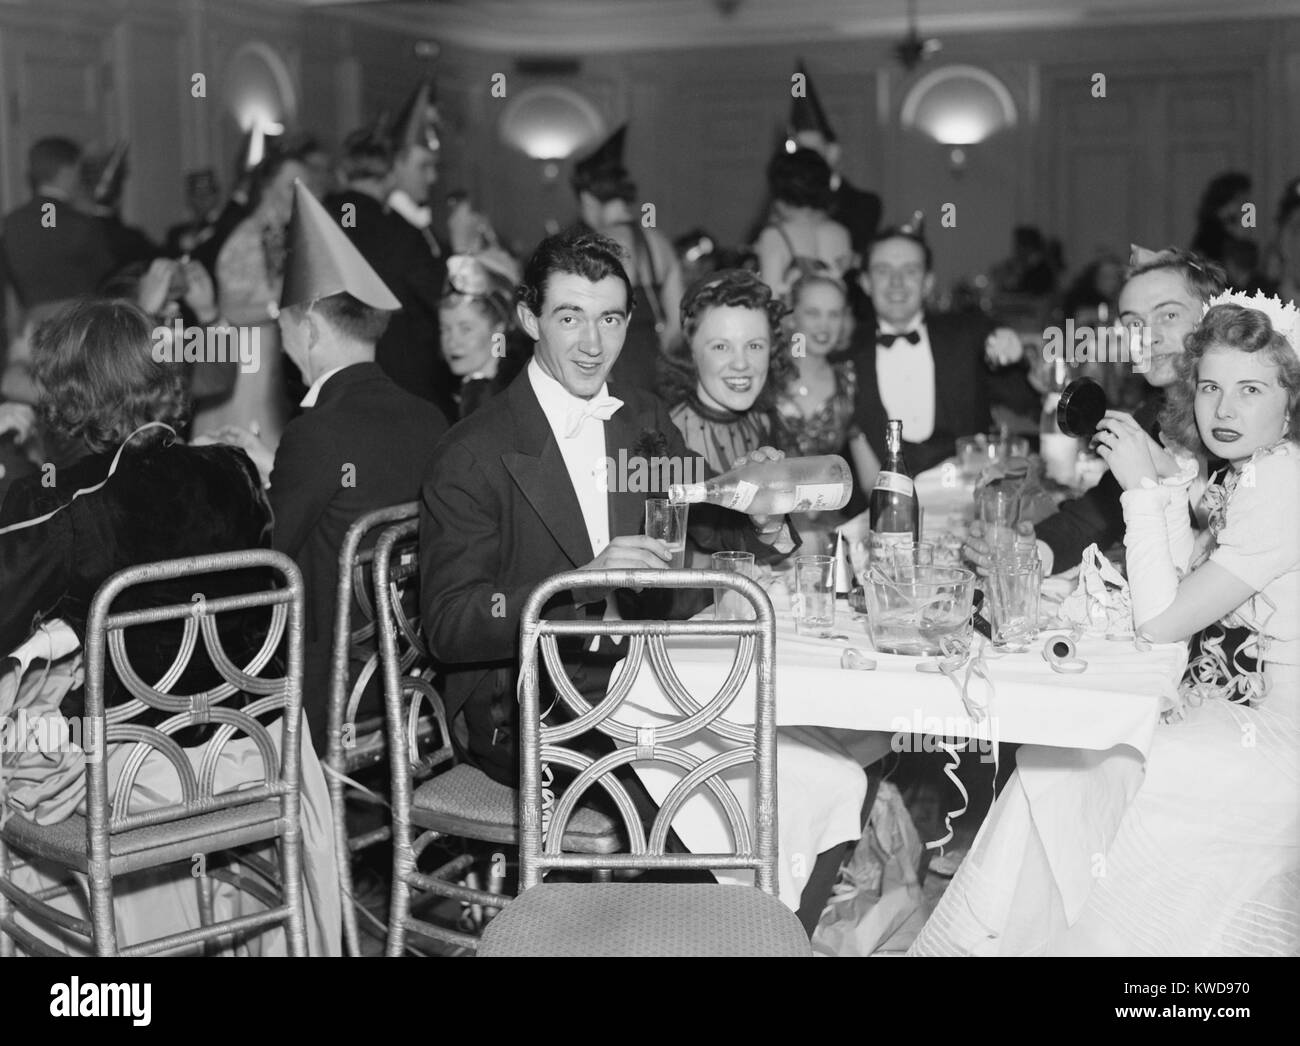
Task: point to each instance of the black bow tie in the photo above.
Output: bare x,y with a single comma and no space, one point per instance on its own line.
886,340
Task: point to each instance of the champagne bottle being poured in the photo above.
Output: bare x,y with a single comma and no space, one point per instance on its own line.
775,488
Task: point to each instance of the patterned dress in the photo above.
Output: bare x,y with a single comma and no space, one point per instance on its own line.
826,430
721,436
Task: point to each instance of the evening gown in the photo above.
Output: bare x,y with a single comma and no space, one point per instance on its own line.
1195,850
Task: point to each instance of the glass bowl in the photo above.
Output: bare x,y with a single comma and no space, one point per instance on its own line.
926,613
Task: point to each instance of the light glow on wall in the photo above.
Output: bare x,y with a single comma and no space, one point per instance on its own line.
550,122
958,105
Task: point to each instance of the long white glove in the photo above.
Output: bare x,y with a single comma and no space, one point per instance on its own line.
1158,546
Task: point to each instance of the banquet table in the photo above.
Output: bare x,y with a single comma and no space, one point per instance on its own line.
832,718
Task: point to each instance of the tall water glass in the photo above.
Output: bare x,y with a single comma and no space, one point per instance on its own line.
1014,583
814,596
666,520
728,604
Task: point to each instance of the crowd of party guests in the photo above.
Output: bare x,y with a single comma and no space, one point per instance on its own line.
487,390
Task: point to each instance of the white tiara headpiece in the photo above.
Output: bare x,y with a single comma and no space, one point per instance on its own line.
1283,315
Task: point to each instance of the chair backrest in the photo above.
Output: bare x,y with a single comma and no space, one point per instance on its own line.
404,657
106,649
355,640
543,820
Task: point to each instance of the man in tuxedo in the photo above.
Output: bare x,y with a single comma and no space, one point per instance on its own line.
361,442
1164,296
930,371
518,492
53,251
408,349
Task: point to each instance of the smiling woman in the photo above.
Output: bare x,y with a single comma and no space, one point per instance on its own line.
722,376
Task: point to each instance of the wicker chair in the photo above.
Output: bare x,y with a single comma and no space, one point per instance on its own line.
647,919
112,841
354,745
461,802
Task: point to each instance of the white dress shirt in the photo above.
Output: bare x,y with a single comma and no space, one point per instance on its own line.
905,378
313,393
584,453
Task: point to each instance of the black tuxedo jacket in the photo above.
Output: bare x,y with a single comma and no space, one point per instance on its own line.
961,399
498,515
409,349
68,260
364,446
858,211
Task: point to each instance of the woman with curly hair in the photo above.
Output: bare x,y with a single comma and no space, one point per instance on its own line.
1196,849
136,495
800,235
722,377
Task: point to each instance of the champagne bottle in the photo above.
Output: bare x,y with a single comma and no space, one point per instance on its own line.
895,513
774,488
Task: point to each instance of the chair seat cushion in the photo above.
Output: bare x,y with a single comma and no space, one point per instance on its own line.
644,920
468,804
154,845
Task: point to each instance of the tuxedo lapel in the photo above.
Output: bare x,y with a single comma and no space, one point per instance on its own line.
947,374
626,508
537,468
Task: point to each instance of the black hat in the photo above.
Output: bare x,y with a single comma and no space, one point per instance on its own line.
417,120
806,113
602,172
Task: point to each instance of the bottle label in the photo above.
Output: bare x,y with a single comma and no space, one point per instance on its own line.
742,497
896,483
818,497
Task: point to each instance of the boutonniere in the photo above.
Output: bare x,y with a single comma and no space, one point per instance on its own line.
650,444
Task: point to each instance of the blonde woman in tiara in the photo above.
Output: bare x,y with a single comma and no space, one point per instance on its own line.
1196,849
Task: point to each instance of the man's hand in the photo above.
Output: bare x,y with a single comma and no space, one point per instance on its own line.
1003,347
1128,451
633,552
151,292
17,418
262,456
200,295
977,551
763,524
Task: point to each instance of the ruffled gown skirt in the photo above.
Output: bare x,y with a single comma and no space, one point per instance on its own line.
1195,851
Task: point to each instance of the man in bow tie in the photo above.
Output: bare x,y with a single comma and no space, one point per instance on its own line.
519,491
929,371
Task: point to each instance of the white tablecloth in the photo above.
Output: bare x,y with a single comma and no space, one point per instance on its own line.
1116,701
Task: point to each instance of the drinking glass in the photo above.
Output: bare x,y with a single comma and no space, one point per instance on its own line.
666,520
999,511
728,604
909,555
1014,583
971,456
814,599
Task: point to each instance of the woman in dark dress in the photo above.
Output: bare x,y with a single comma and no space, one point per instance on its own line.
137,495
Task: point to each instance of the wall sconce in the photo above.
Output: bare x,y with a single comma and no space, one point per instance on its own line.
549,122
958,106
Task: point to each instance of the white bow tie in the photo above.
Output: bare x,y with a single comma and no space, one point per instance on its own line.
602,408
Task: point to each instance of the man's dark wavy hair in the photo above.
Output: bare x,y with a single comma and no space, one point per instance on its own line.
737,288
99,381
1237,327
578,252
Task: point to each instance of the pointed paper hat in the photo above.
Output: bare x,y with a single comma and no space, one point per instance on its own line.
415,125
806,113
606,158
112,175
322,260
915,225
